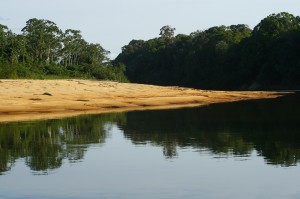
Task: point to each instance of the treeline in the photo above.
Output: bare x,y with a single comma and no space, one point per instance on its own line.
43,50
222,57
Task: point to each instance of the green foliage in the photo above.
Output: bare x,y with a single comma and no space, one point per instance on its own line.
276,24
42,40
222,57
167,34
110,73
8,72
44,51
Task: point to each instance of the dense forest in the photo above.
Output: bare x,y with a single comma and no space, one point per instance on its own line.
223,57
43,50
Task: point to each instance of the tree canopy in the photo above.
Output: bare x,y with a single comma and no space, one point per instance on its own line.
221,57
231,57
43,50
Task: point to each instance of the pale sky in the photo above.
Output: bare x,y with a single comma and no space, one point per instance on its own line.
113,23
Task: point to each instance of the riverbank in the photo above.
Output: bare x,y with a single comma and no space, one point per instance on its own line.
47,99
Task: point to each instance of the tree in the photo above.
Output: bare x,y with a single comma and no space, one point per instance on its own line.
43,39
275,24
3,41
167,33
221,57
43,49
268,58
95,54
73,45
13,49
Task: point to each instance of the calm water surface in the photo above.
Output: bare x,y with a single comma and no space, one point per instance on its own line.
235,150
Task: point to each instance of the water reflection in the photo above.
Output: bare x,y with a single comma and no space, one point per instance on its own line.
45,144
269,127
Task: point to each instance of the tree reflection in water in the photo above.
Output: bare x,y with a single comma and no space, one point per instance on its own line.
44,144
269,127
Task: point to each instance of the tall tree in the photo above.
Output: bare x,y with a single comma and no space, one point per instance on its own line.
13,48
43,39
96,54
3,41
167,33
276,24
73,46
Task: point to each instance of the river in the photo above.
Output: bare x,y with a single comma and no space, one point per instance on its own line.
248,149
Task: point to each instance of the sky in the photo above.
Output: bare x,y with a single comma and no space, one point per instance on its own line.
114,23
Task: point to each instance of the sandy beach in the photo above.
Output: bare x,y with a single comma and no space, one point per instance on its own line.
22,100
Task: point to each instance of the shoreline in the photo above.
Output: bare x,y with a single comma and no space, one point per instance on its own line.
26,100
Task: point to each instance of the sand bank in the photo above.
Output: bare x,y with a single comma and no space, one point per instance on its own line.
46,99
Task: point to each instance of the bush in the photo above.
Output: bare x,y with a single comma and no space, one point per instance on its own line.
115,73
8,72
87,71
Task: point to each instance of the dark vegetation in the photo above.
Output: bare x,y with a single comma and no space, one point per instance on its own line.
223,57
45,51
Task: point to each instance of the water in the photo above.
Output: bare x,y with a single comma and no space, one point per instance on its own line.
235,150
